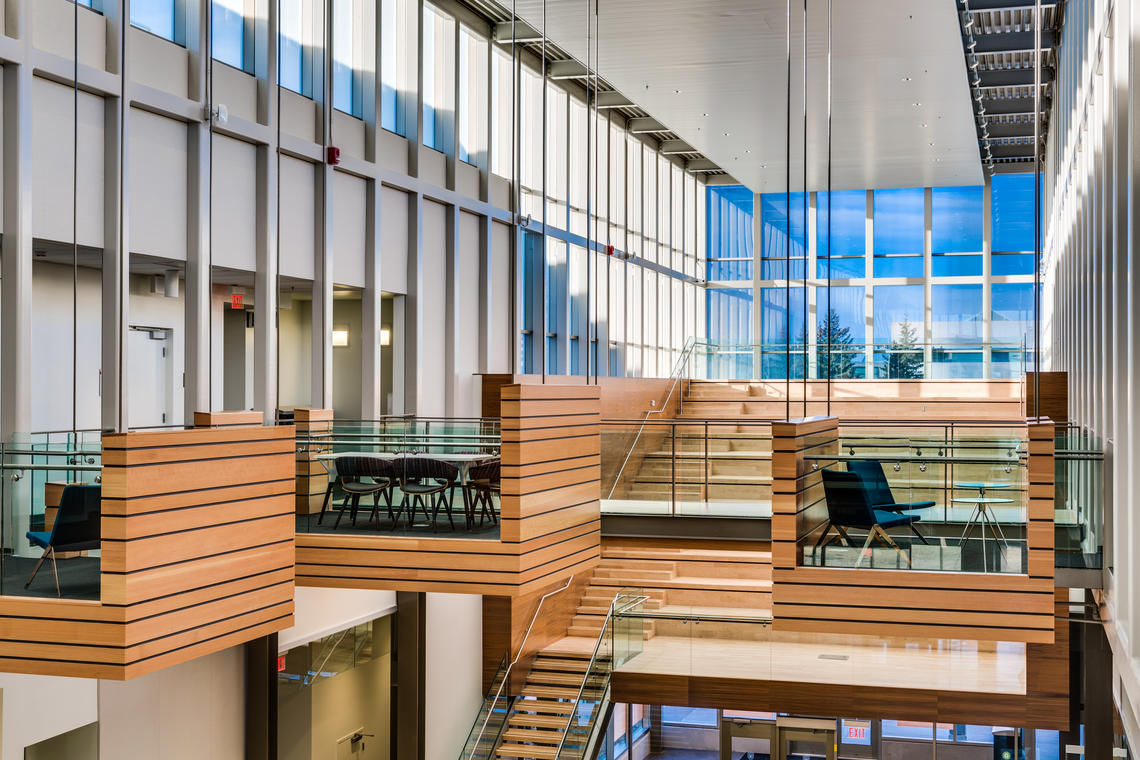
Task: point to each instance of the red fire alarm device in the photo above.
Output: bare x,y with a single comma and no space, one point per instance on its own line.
333,155
609,250
280,663
236,301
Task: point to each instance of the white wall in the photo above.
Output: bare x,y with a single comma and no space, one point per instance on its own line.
453,672
157,185
295,353
347,360
234,205
189,711
318,612
40,707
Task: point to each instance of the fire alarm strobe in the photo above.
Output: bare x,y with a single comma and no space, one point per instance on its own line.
333,155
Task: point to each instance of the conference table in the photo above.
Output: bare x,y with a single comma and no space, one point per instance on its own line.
461,459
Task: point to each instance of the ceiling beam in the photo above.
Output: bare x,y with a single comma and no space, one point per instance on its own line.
1006,5
614,99
698,165
1013,77
642,125
1006,106
1008,42
566,70
1012,151
676,147
521,33
1024,129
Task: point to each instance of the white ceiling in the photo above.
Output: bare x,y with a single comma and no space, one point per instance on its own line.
716,73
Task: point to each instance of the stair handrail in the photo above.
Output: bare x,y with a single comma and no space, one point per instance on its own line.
627,602
675,376
512,663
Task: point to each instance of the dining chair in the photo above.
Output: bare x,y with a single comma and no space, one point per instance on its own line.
848,506
483,484
76,527
425,482
360,475
879,490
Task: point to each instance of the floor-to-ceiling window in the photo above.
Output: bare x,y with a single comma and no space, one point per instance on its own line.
900,286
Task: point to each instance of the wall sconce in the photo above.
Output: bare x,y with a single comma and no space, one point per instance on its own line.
340,337
385,336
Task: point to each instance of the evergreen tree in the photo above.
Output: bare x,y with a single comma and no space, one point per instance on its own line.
904,360
843,363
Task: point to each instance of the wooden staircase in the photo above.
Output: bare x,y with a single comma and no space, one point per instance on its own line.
717,577
539,717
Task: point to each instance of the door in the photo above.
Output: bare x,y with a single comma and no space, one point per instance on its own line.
147,352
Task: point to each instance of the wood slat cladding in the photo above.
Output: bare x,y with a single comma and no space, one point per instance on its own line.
990,607
1054,396
312,477
197,556
228,419
550,513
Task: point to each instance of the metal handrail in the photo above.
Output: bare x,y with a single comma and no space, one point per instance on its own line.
678,370
629,602
512,663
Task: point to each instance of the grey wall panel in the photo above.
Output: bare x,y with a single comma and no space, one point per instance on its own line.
158,63
298,217
501,340
234,207
236,90
350,197
433,329
467,317
157,185
394,241
52,167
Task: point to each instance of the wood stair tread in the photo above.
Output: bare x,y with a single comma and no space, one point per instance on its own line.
544,706
567,664
695,583
527,750
536,735
549,692
547,677
524,720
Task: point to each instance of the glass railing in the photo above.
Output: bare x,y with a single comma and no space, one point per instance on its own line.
593,694
40,512
1079,499
406,475
693,641
956,499
945,360
691,468
491,720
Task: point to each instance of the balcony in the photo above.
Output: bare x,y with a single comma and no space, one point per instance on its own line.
172,544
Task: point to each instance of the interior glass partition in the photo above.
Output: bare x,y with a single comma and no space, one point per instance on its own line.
950,497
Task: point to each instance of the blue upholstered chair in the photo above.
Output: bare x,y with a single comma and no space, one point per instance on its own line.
879,490
849,506
76,527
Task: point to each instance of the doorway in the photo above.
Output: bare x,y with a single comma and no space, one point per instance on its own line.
148,349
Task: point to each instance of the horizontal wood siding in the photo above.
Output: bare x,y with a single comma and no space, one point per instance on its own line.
550,513
866,601
197,556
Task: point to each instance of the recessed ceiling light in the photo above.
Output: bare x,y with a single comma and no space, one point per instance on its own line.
676,92
923,125
906,79
727,134
704,114
917,104
747,150
931,144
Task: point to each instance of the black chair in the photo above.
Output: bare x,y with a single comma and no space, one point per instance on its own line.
879,490
359,476
848,506
76,527
483,484
425,482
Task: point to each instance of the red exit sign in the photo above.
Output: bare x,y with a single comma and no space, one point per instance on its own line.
280,663
856,732
236,301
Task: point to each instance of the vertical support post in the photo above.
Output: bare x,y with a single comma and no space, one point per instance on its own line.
1040,469
409,674
312,477
261,698
798,509
116,251
198,395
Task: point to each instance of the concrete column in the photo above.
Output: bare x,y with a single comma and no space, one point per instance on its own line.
372,397
408,670
198,385
321,382
116,250
266,286
414,305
